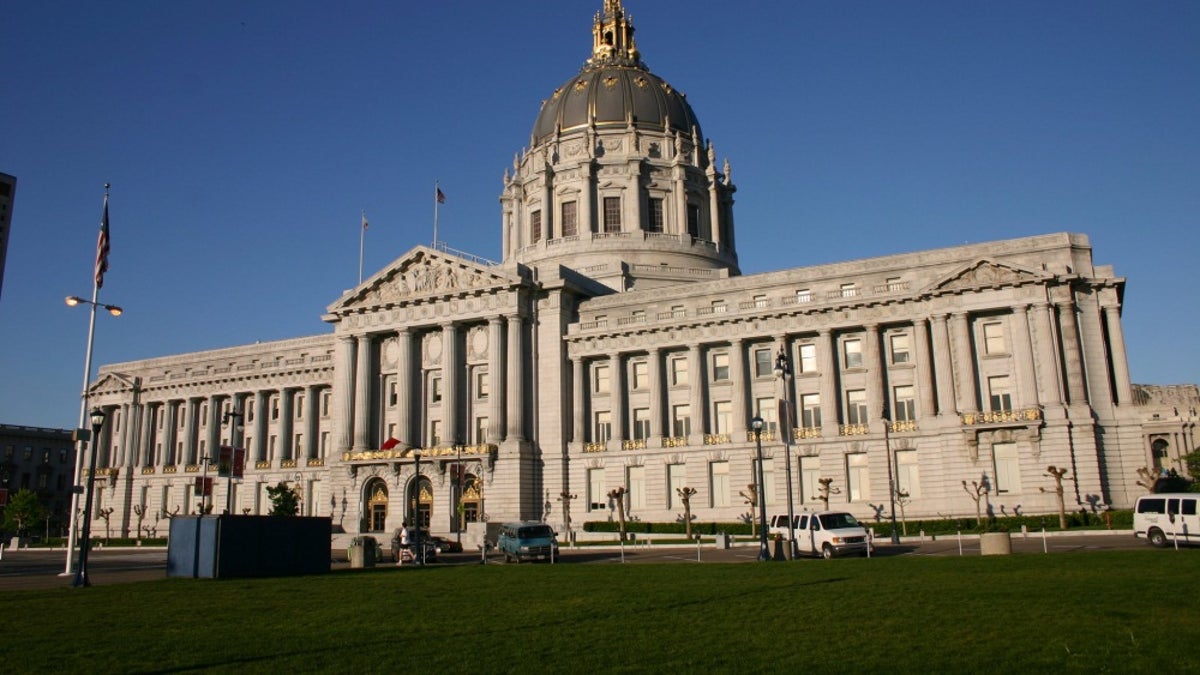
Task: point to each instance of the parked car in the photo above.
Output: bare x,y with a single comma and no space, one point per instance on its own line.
446,545
1165,519
527,540
827,533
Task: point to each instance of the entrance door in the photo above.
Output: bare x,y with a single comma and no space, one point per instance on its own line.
377,506
420,502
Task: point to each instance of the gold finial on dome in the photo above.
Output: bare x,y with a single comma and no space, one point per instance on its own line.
612,36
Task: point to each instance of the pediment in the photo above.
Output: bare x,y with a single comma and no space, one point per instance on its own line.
423,273
984,273
112,383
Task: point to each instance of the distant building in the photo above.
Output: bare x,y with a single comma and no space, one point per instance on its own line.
41,460
8,193
617,344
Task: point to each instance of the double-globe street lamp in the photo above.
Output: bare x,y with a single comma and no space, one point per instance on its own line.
783,371
81,572
763,552
72,531
418,552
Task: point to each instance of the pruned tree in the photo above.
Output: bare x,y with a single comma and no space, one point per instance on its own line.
22,510
752,501
285,500
106,516
977,490
685,496
139,510
1057,474
826,490
566,498
903,499
618,496
1147,478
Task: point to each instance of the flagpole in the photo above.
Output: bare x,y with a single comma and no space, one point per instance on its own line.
436,190
81,445
362,235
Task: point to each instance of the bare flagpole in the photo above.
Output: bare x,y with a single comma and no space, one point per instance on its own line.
362,234
438,198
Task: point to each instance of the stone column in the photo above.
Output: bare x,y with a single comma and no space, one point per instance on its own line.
964,360
926,388
830,401
344,393
874,359
657,401
262,414
737,379
146,450
578,420
1072,358
495,379
696,390
191,442
943,366
404,388
1120,360
450,388
286,416
312,421
362,394
170,430
213,436
1026,388
1046,356
515,375
616,395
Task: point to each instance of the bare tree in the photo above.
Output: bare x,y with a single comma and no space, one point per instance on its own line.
685,496
976,491
752,501
139,510
566,498
1057,475
826,490
105,515
1147,478
618,495
903,499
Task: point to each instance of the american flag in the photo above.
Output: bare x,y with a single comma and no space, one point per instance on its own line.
102,247
364,219
441,196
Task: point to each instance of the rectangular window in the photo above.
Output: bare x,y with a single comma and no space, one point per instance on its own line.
999,393
655,224
435,388
603,429
612,214
535,227
719,484
1008,474
993,338
764,364
856,476
274,408
597,498
761,301
810,477
720,367
907,474
570,222
853,352
693,220
905,405
676,481
325,399
768,410
804,295
900,348
681,420
482,384
641,423
679,372
848,290
810,411
393,396
641,374
300,403
637,487
856,406
481,430
723,417
600,380
808,358
435,433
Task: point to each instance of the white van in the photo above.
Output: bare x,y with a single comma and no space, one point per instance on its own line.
827,533
1166,518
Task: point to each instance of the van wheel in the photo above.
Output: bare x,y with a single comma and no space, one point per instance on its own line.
827,551
1157,537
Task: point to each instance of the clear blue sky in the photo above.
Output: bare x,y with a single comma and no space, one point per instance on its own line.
242,139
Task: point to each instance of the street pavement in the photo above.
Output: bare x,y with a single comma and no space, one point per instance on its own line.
42,568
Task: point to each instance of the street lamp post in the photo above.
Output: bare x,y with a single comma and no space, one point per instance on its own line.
763,553
72,301
783,370
81,572
419,553
887,446
234,419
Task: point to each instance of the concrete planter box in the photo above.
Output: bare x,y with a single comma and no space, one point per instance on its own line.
995,543
229,546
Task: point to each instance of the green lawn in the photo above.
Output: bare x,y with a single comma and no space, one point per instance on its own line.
1116,611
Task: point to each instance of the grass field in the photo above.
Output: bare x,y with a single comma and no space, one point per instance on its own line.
1120,611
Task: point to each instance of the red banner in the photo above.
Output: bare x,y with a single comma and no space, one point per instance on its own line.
224,461
3,497
204,487
239,462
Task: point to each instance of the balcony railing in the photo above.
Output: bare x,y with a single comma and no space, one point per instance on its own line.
287,464
853,430
595,447
192,468
315,461
262,464
1002,416
634,444
902,426
147,470
674,441
807,432
764,436
717,439
170,468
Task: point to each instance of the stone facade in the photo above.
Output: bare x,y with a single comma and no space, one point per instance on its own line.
619,345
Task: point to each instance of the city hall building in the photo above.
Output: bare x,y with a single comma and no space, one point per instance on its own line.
618,344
